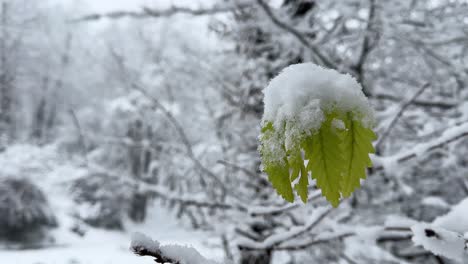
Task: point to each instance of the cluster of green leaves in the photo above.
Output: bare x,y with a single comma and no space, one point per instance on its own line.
337,157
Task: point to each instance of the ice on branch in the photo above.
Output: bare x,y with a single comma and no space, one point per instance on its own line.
319,115
176,254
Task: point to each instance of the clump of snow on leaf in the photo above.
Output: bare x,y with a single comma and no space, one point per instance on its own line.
297,100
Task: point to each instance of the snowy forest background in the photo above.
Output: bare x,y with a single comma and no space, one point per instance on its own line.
124,116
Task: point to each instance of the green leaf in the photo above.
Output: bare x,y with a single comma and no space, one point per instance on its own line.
325,155
301,186
337,154
278,175
297,164
276,169
357,144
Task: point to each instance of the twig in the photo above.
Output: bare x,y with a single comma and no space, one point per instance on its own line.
183,137
422,103
399,114
274,241
81,139
147,12
450,135
367,46
313,242
279,210
322,59
166,194
237,167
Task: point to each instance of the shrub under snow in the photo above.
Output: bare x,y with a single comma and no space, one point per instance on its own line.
24,210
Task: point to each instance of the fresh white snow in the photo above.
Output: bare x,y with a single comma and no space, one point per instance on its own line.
303,92
456,220
298,99
444,243
181,253
51,172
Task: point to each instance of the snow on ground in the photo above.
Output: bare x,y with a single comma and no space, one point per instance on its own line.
45,167
110,247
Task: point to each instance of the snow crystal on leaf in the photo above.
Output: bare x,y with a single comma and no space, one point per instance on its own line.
338,124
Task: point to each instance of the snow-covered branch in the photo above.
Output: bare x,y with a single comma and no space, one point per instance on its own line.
172,254
448,136
275,240
440,241
275,210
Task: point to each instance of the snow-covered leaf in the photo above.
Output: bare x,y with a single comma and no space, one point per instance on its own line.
318,116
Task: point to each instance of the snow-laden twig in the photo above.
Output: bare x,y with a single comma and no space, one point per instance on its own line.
147,12
450,135
275,210
172,254
275,240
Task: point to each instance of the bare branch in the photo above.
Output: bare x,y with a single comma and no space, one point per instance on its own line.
183,137
420,102
201,203
147,12
404,105
81,139
367,46
322,59
279,210
237,167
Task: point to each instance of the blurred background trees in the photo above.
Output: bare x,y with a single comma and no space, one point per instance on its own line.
122,113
